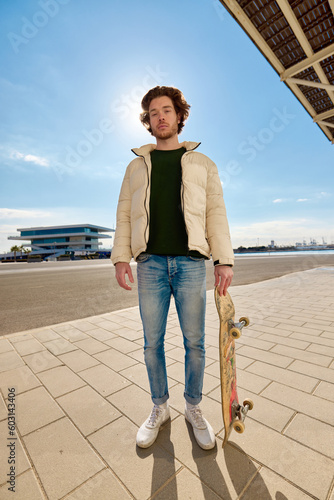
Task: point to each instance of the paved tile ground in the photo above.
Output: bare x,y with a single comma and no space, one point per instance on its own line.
81,392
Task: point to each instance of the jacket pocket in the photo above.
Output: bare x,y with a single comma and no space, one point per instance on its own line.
143,257
196,259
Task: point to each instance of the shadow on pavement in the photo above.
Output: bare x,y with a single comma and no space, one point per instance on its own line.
163,467
258,489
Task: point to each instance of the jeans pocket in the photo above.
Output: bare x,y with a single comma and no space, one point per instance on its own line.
196,259
143,257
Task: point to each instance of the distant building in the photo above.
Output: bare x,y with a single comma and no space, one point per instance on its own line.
313,245
58,240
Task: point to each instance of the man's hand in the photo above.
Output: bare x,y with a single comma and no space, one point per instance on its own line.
121,269
223,278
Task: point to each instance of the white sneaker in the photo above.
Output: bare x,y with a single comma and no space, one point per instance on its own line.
203,431
148,432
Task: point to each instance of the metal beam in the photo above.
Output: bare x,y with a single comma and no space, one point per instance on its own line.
302,99
248,26
308,83
301,37
327,124
323,116
294,24
306,63
331,4
286,75
300,96
326,131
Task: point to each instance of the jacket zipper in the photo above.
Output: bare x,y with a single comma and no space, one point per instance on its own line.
182,202
147,212
147,188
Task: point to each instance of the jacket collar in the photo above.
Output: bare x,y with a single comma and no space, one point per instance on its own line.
148,148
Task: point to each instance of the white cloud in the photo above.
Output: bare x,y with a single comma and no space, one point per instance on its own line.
38,160
323,194
278,200
43,162
317,196
282,231
13,213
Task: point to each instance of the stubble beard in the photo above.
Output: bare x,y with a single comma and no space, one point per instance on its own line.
166,134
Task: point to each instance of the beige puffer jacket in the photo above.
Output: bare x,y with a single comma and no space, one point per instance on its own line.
202,203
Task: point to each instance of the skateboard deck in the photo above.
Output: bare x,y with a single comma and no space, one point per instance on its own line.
234,414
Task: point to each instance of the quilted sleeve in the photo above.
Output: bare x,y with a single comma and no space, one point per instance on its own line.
218,232
121,251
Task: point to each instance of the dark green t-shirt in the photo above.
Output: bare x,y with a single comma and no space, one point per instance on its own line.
168,235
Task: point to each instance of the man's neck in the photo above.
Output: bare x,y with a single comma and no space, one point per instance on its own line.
168,144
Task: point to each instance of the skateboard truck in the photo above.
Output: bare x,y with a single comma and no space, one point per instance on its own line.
235,328
239,413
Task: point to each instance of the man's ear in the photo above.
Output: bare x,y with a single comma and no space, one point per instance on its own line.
178,117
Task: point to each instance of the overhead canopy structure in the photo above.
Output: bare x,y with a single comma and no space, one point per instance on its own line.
297,39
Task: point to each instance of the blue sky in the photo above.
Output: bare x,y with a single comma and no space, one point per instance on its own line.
72,78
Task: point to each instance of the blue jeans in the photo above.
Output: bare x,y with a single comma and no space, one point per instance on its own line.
160,277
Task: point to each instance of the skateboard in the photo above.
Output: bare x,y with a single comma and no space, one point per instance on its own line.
234,414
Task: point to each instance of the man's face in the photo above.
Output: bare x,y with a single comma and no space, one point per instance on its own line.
163,118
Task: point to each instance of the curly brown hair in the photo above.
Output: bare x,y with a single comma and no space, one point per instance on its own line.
180,105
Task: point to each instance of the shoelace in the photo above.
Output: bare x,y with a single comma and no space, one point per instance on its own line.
155,414
196,415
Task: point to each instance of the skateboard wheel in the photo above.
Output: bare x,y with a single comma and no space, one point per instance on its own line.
245,319
249,402
235,332
239,426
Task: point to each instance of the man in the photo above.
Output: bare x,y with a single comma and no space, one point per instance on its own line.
171,217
